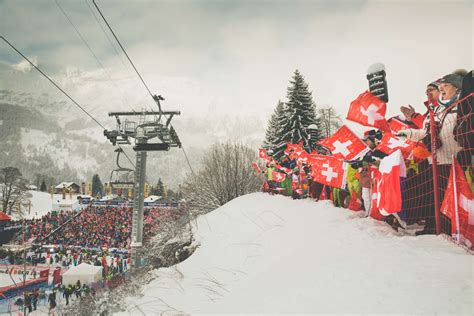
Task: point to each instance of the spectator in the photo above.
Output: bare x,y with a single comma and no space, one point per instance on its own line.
445,119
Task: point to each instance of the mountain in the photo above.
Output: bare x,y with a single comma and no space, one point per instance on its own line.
45,135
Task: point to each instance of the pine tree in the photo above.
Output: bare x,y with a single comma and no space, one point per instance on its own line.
298,114
271,134
97,187
43,187
160,188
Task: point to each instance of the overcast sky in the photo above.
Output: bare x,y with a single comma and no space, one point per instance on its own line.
236,57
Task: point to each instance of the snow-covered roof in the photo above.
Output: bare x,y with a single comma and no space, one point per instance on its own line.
152,198
65,184
83,269
109,197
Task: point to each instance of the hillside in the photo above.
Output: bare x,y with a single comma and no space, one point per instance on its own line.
270,254
53,138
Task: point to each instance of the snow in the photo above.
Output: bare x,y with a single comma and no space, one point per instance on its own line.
269,254
375,68
6,280
41,204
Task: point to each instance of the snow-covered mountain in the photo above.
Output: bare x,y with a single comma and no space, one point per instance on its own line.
263,254
44,131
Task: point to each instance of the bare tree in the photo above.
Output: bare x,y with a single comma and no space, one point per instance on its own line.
13,188
227,174
330,121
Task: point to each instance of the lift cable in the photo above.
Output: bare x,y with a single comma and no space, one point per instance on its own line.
59,88
92,52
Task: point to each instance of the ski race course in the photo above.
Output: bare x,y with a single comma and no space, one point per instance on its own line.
269,254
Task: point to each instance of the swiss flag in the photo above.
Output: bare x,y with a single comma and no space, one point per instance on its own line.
459,191
284,169
329,170
297,150
391,143
374,209
302,158
278,176
345,144
397,125
389,193
368,110
262,153
256,167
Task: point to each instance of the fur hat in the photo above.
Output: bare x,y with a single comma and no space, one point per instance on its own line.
454,79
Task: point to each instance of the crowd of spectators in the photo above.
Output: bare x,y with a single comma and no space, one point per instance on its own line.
450,100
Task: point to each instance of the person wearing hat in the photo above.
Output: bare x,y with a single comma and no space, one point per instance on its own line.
450,89
446,147
432,93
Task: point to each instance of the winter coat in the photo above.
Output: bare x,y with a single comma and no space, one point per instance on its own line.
449,146
270,173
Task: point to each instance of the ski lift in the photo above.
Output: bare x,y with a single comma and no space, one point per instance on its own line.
121,178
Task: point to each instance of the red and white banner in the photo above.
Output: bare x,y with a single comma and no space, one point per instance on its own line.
458,203
278,176
397,125
262,154
345,144
256,168
294,150
368,110
374,209
389,193
284,169
329,170
391,143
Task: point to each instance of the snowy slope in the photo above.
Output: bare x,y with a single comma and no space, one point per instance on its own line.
270,254
41,204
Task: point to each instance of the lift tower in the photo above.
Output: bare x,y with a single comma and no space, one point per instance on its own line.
144,126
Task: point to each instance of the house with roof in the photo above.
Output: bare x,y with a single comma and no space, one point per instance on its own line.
70,186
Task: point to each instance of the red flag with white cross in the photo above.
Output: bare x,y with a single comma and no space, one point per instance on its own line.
278,176
391,143
397,125
329,170
368,110
458,203
262,154
345,144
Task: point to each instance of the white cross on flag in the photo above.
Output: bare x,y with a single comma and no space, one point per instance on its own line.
368,110
329,170
345,144
277,176
262,153
390,143
458,203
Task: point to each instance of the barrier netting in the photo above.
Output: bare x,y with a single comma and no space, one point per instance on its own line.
416,177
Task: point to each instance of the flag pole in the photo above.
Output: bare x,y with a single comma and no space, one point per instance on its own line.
456,207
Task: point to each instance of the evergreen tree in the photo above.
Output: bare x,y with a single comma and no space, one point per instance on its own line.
160,190
43,187
97,187
298,114
271,134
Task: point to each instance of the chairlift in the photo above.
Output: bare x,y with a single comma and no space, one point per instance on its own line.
118,175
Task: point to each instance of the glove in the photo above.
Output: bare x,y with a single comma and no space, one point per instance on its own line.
403,133
407,111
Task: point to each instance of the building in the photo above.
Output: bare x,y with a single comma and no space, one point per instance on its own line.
70,186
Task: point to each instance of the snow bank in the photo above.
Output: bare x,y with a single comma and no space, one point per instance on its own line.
41,204
270,254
